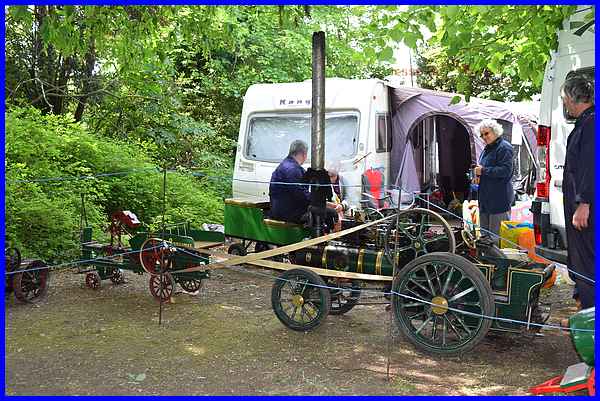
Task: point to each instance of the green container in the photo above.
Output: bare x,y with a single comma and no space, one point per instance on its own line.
583,341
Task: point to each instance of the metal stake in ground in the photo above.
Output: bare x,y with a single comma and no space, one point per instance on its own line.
162,254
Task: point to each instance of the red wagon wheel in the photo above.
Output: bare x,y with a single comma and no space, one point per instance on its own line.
162,286
154,256
32,285
92,280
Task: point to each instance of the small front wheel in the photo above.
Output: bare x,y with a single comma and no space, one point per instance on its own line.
117,276
92,280
162,286
191,285
237,249
31,285
300,299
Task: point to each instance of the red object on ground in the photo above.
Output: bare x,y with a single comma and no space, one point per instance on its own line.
553,386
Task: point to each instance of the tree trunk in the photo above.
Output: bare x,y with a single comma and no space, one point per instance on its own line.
90,61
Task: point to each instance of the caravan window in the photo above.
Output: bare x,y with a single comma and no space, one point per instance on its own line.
384,133
588,73
269,136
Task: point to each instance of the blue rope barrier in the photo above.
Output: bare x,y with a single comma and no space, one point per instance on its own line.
154,169
86,177
101,258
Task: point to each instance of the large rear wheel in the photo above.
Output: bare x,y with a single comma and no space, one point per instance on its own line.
155,255
439,301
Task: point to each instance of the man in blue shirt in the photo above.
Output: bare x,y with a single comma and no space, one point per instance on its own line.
579,187
289,195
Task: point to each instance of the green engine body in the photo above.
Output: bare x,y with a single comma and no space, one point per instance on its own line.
583,341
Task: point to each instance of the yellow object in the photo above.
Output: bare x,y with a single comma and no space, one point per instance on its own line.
510,231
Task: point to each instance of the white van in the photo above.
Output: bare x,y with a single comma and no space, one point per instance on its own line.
575,55
274,115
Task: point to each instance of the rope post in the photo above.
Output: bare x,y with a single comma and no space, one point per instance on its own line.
162,255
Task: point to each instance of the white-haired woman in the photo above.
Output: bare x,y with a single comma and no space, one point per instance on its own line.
494,176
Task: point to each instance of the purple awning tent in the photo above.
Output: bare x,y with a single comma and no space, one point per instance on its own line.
411,106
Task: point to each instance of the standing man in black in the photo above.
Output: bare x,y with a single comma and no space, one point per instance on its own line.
578,186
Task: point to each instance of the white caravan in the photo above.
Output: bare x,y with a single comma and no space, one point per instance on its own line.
575,55
273,115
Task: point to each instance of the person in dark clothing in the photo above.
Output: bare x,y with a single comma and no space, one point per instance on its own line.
578,186
494,176
289,195
289,201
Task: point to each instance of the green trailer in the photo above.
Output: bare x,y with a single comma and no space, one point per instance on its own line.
160,254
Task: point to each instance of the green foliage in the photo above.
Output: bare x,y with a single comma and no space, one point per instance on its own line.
440,72
498,52
43,218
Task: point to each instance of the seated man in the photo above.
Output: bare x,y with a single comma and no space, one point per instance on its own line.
290,197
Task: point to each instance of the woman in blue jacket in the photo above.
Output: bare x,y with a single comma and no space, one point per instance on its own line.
494,176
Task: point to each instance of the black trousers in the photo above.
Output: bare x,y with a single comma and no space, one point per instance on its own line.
580,258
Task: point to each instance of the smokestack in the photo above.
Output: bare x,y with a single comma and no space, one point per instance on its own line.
317,147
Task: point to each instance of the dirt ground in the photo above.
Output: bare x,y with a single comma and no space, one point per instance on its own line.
227,340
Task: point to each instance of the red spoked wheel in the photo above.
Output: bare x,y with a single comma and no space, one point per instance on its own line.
162,286
155,255
117,276
31,285
92,280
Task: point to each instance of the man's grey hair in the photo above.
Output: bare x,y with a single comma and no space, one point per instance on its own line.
491,124
579,89
297,147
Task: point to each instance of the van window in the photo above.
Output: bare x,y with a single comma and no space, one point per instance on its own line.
587,72
269,136
384,133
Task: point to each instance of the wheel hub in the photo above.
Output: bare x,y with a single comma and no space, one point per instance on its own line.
297,300
440,305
